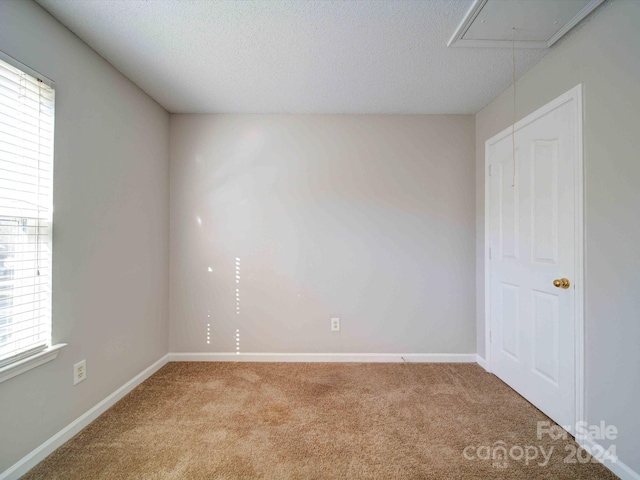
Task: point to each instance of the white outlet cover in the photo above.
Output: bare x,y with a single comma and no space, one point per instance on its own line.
335,324
79,372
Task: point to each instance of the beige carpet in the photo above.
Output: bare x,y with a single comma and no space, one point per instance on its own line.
313,421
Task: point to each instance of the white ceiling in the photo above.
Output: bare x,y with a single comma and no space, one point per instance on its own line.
295,56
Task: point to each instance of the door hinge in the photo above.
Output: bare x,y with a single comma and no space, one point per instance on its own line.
490,170
489,253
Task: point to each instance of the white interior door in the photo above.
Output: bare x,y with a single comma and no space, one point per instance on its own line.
532,244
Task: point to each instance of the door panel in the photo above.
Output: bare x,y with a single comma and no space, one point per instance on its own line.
544,187
545,339
510,309
509,218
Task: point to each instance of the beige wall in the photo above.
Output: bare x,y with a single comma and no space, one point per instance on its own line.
110,254
604,55
368,217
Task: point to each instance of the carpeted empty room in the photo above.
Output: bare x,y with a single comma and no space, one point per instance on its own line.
319,239
318,420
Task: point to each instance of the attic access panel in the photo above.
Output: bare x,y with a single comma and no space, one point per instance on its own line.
538,23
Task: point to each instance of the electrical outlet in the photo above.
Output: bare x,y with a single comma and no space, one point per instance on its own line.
79,372
335,324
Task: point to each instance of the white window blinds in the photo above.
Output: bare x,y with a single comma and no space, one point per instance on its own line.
26,167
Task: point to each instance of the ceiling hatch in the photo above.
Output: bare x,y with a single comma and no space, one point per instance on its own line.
537,23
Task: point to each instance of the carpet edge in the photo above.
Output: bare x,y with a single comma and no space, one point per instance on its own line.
45,449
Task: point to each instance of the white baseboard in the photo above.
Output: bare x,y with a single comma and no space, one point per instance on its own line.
325,357
40,453
482,362
621,469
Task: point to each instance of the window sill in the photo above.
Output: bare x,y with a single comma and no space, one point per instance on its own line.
26,364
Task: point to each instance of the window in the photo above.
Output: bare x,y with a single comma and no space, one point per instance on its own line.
26,167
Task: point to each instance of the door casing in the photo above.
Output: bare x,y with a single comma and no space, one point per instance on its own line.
574,95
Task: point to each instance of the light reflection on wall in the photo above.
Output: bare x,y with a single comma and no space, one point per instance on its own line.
208,327
237,286
237,303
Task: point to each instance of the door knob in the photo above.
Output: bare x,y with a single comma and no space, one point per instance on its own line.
561,283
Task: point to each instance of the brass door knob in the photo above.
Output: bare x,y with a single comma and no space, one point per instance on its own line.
561,283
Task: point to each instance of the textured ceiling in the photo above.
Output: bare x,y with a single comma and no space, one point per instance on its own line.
294,56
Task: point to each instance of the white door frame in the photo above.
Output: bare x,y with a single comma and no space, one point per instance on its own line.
575,95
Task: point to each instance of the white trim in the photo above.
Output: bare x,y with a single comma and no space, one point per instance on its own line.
499,44
575,95
586,10
33,361
456,39
487,259
578,285
482,362
30,460
622,470
324,357
28,70
466,22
